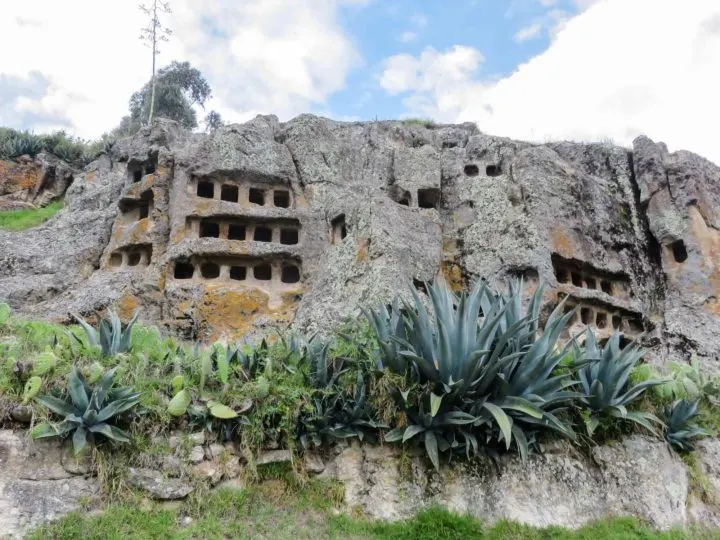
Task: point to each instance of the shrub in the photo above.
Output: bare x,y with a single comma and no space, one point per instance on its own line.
89,412
475,371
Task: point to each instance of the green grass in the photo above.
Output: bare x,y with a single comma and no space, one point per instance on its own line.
275,509
19,220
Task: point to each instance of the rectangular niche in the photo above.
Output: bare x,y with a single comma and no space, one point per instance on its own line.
281,198
137,170
206,189
236,231
183,270
262,272
238,273
289,236
338,230
209,229
256,196
428,198
230,193
263,234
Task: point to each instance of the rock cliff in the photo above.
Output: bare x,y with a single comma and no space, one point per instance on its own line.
266,224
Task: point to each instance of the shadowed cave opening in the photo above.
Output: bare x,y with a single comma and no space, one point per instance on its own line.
679,251
210,270
290,274
281,198
262,272
257,196
206,190
229,193
184,270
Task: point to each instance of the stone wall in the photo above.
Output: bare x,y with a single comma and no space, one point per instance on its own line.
635,477
268,224
32,182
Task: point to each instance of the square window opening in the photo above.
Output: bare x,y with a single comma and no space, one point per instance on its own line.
150,169
238,273
209,229
257,196
281,198
263,234
116,259
289,237
290,274
586,315
428,198
137,175
576,279
206,190
616,322
184,270
493,170
339,229
562,275
472,170
262,272
210,270
144,211
590,283
236,232
229,193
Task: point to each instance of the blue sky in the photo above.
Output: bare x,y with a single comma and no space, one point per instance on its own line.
528,69
380,29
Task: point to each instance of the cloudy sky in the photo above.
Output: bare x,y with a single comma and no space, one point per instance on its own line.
529,69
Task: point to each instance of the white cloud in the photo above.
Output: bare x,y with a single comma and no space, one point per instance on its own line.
259,56
528,32
408,36
612,72
419,20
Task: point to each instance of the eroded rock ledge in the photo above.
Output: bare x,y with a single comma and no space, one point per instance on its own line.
638,477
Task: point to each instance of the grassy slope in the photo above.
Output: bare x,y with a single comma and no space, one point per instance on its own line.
279,510
19,220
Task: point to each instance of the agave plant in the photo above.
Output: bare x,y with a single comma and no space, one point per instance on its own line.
681,431
89,412
339,411
112,337
476,370
607,390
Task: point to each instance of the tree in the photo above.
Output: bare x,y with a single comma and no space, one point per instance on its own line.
213,120
153,34
178,87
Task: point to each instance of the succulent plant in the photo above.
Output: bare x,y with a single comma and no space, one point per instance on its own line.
681,431
112,337
476,371
89,412
607,390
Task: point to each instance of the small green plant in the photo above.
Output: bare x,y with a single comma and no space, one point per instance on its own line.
4,314
89,411
112,337
607,391
681,430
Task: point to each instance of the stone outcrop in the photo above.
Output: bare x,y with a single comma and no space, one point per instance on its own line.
28,183
268,224
634,477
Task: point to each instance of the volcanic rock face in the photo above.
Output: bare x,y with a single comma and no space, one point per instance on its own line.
266,224
27,182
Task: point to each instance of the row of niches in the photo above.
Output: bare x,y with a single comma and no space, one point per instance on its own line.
602,319
208,188
131,257
281,231
584,276
274,274
425,197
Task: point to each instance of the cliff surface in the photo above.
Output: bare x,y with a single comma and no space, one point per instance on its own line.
266,224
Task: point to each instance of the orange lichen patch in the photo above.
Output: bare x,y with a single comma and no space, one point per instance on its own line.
161,171
19,176
362,250
453,275
127,304
135,233
562,243
229,313
90,177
